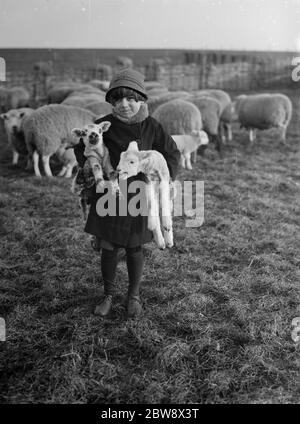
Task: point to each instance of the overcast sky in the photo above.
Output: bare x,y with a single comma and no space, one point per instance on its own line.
191,24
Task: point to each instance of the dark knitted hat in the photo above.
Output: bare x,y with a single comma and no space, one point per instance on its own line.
128,78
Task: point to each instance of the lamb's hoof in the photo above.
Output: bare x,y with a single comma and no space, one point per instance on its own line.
161,244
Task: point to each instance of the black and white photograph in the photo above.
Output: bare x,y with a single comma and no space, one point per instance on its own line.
149,206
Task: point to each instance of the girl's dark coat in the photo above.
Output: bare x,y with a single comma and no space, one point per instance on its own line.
128,231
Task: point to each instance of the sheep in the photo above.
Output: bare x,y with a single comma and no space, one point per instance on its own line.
14,98
99,108
179,117
154,166
151,85
98,161
100,84
189,143
47,129
227,118
59,91
14,130
263,111
162,97
223,98
210,110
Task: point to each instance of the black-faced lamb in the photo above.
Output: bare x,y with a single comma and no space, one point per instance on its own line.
98,162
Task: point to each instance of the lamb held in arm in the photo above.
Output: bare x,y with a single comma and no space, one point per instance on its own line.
154,166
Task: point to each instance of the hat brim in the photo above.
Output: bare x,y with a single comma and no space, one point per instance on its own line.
125,86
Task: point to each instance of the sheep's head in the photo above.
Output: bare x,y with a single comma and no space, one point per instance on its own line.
13,119
129,164
90,134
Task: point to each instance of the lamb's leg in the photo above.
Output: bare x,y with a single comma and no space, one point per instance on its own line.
98,174
229,132
164,191
166,213
182,161
15,157
69,169
62,171
195,156
188,161
36,157
46,164
153,215
252,135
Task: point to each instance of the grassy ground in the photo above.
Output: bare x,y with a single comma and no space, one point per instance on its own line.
217,307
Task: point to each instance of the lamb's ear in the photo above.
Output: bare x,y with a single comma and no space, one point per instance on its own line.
133,146
3,116
195,132
104,125
77,132
22,114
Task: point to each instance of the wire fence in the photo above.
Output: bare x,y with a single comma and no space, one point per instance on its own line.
241,74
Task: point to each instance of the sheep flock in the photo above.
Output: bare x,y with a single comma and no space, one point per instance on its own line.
196,120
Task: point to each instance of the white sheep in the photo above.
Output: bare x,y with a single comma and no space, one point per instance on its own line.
227,118
13,98
154,166
160,96
220,95
58,91
179,117
188,144
99,108
46,131
210,109
13,120
263,111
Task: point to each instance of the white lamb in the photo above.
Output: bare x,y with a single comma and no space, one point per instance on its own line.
154,166
188,144
13,120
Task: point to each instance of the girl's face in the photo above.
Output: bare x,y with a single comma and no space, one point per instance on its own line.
127,107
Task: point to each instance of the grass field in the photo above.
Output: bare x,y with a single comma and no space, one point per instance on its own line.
218,306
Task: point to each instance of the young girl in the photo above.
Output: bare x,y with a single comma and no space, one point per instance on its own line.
129,121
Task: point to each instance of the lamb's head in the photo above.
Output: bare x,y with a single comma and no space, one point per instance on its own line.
201,136
13,119
90,134
129,164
